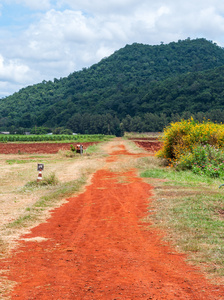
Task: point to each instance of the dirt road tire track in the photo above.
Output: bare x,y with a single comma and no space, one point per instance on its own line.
96,246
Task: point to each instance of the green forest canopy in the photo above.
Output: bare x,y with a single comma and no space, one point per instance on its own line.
138,88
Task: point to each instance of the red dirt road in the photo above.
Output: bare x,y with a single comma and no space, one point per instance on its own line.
96,246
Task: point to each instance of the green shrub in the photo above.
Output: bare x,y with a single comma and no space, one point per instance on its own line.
206,160
180,137
73,149
195,146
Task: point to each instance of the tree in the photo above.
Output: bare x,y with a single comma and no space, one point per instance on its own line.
40,130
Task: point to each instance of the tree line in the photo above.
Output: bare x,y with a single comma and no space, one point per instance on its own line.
111,125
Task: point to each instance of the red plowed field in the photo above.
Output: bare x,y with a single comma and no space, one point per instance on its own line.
96,246
148,145
10,148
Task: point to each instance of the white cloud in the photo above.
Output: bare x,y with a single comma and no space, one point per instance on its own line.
193,21
13,71
60,27
72,38
101,6
61,41
102,52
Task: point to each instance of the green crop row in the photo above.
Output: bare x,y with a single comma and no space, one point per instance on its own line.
54,138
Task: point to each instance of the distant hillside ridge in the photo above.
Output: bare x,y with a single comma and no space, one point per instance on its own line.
174,78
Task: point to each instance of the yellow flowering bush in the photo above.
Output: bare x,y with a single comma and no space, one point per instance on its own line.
196,146
181,137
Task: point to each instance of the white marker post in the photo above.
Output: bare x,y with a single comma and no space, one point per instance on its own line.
79,149
40,168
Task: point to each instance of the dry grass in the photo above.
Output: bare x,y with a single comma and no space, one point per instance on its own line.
142,135
18,202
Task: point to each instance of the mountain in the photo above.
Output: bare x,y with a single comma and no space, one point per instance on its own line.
137,82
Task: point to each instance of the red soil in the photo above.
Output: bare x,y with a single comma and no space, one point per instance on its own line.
144,139
10,148
151,146
97,247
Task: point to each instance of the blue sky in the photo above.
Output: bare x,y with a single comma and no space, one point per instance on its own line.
14,18
44,39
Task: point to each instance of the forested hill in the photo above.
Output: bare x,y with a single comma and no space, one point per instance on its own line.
137,83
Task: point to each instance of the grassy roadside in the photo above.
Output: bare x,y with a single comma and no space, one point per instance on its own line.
190,209
24,203
55,193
